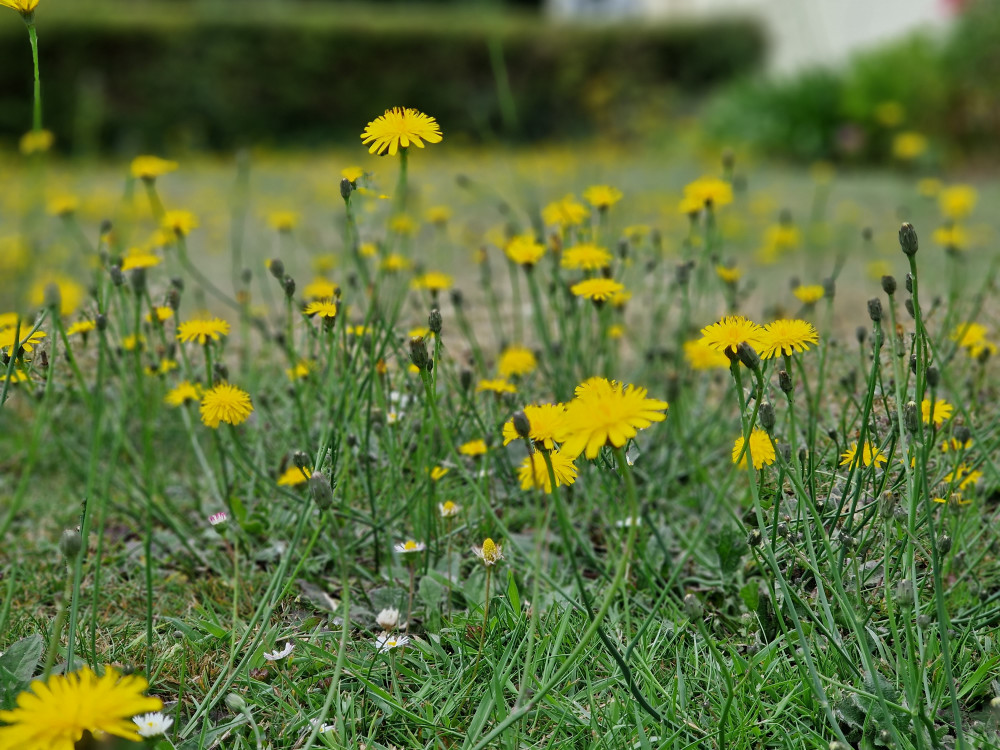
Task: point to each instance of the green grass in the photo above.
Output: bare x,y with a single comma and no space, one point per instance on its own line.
753,609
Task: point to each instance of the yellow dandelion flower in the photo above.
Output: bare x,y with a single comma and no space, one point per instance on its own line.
909,145
869,455
202,330
516,361
761,448
81,327
300,371
225,403
182,393
320,288
709,192
534,473
403,224
165,366
524,250
132,342
954,444
398,128
729,274
564,213
323,308
139,259
179,222
35,141
786,337
602,196
726,335
636,232
368,250
598,290
54,713
394,263
497,385
876,269
151,167
585,257
25,342
941,412
438,472
929,187
957,201
616,331
547,422
433,281
963,476
283,221
438,215
605,412
809,294
700,356
294,476
161,314
63,205
952,237
352,174
889,113
473,448
71,294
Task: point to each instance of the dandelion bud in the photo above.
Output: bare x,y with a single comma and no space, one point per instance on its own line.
728,159
829,287
933,376
418,353
623,249
767,416
908,304
924,621
693,608
101,321
782,529
904,593
911,416
887,505
899,514
117,277
962,434
246,275
861,333
908,283
174,299
457,298
220,372
867,233
521,424
345,189
683,274
465,378
289,284
755,538
53,296
434,321
875,309
177,283
235,702
105,227
908,239
301,460
70,544
984,355
784,381
995,708
748,356
137,277
944,544
889,284
322,492
277,268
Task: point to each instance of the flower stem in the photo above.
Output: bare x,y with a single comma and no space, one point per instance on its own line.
36,118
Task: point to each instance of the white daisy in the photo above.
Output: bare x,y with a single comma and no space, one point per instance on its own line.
388,618
277,655
410,547
387,641
216,518
490,553
152,725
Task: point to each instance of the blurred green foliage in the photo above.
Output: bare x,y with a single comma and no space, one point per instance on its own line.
146,75
946,88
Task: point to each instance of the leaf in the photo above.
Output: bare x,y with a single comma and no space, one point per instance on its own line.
730,546
430,592
22,658
750,594
512,593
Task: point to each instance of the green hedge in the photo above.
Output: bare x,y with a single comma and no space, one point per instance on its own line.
144,75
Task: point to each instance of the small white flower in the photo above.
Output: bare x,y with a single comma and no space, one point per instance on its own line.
323,728
393,417
628,521
490,553
387,641
277,655
448,509
216,518
151,725
410,547
387,619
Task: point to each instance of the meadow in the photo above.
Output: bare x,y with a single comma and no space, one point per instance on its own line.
455,447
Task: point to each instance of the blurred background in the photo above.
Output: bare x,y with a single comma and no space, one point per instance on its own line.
838,80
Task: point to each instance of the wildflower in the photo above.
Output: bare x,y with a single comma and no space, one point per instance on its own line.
954,444
929,187
448,509
605,412
972,337
524,250
179,222
809,294
396,262
70,293
564,213
54,713
547,423
325,309
869,455
153,724
433,281
909,145
278,655
597,290
733,330
761,448
151,167
202,330
497,385
403,224
300,371
438,215
388,618
218,518
63,205
700,356
81,327
410,547
957,201
889,113
165,366
628,522
283,221
490,553
387,642
636,232
728,274
35,141
942,411
225,403
602,197
140,259
294,476
781,237
161,313
951,237
399,128
786,337
473,448
535,473
352,174
709,192
320,288
25,342
132,342
963,476
585,257
616,331
182,393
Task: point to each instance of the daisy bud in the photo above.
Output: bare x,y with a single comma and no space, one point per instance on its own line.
70,543
693,608
875,309
908,239
521,424
289,284
767,416
889,284
322,492
434,321
277,268
904,593
388,618
748,356
933,376
418,353
784,381
911,416
944,544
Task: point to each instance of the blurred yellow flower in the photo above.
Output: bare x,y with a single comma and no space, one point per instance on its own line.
957,201
433,281
708,192
942,411
138,259
889,114
809,294
473,448
929,187
564,213
602,196
701,356
398,128
534,472
761,449
952,237
70,293
320,288
179,222
497,385
151,167
585,257
352,174
225,403
283,221
598,290
729,274
524,250
36,141
516,361
294,476
438,215
909,145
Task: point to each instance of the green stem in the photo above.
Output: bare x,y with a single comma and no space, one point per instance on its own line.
36,118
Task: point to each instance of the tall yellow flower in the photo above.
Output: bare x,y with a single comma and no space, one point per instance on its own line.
21,6
202,330
398,128
151,167
225,403
605,412
726,335
546,422
515,361
602,196
708,192
761,448
598,290
524,250
585,257
870,454
535,473
787,337
54,713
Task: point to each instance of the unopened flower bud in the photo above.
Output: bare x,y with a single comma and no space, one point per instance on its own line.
829,287
962,434
465,378
434,321
861,333
924,621
137,277
235,702
944,544
457,298
346,188
301,460
908,283
748,356
418,353
221,371
755,538
887,504
101,321
875,309
767,416
908,304
933,376
289,284
388,618
911,416
174,299
784,381
889,284
117,277
521,424
322,492
908,239
904,593
70,544
277,268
